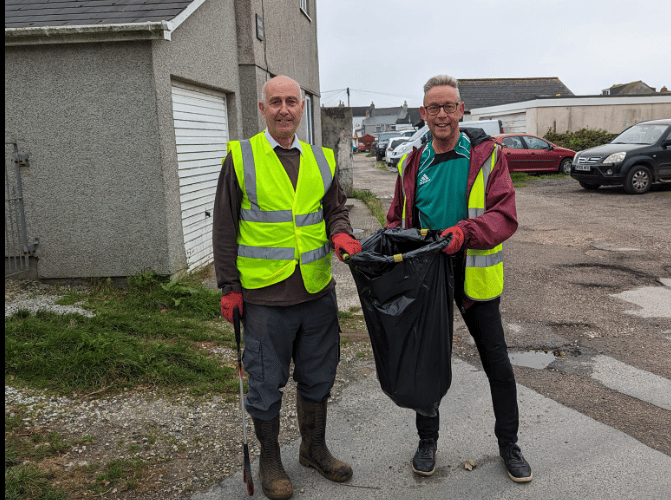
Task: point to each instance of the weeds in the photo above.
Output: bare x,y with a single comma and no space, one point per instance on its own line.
28,482
373,204
144,334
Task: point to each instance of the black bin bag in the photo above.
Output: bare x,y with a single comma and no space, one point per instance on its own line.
406,288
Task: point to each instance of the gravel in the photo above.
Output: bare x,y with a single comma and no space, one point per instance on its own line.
187,442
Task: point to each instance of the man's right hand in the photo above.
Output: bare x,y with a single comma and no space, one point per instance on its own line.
228,304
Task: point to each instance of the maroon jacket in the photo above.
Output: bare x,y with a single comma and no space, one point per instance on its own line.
492,228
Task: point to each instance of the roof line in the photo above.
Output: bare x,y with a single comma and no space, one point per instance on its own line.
151,30
182,16
499,79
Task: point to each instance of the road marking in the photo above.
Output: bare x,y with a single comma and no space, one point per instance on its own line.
631,381
655,301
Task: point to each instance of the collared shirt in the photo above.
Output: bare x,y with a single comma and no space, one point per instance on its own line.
296,144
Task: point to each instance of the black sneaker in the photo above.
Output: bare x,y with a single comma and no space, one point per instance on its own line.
518,468
424,461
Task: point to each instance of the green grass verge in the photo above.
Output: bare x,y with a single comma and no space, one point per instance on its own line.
373,203
522,179
149,333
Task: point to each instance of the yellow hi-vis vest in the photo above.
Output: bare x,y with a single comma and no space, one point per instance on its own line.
281,227
484,268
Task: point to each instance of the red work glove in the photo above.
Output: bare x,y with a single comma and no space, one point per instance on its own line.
456,242
345,244
228,303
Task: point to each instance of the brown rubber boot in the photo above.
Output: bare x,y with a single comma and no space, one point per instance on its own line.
274,480
313,452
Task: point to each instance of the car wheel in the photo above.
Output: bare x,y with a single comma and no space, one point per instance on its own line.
639,180
565,166
589,185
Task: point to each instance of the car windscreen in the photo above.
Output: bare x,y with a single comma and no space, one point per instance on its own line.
417,134
640,134
388,135
395,142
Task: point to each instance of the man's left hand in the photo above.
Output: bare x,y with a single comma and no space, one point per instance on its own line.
456,242
345,244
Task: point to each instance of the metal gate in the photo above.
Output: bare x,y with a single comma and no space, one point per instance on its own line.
17,249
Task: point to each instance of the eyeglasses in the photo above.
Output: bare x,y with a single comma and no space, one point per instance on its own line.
449,108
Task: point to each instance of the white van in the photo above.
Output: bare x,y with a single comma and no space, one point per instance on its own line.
423,135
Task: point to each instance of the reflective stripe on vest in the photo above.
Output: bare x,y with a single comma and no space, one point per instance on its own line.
281,225
484,268
401,169
255,214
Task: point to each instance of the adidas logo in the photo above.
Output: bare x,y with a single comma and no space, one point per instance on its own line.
424,180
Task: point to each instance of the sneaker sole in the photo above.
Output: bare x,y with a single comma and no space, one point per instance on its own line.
521,479
518,479
423,473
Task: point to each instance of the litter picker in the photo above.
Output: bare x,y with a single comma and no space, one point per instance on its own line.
247,471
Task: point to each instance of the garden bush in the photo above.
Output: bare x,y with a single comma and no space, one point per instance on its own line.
582,139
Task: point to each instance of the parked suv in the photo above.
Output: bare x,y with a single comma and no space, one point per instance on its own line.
637,158
380,145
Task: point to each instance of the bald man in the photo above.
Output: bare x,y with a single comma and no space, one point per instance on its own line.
279,210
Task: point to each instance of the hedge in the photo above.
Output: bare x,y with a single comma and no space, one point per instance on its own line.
582,139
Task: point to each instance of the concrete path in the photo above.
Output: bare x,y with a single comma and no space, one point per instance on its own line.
572,456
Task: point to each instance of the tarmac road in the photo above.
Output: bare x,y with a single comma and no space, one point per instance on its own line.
588,279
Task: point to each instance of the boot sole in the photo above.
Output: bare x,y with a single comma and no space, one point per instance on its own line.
309,463
277,496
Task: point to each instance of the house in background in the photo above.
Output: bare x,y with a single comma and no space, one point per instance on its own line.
117,116
487,92
388,119
570,114
629,88
536,105
359,114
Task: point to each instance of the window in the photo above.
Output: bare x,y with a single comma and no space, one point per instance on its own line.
309,125
535,143
512,142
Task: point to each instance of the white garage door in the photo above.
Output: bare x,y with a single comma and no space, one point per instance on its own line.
201,131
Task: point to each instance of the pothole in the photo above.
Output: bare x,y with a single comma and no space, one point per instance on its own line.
532,359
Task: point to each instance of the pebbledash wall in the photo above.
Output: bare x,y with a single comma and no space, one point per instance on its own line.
101,191
612,114
289,47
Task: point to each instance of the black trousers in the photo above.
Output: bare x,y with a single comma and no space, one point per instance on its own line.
483,320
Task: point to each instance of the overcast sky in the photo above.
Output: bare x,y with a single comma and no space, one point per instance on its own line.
385,50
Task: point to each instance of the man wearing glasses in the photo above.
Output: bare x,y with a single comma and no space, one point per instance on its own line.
459,182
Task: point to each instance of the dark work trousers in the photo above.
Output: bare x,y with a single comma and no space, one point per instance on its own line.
308,333
483,320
